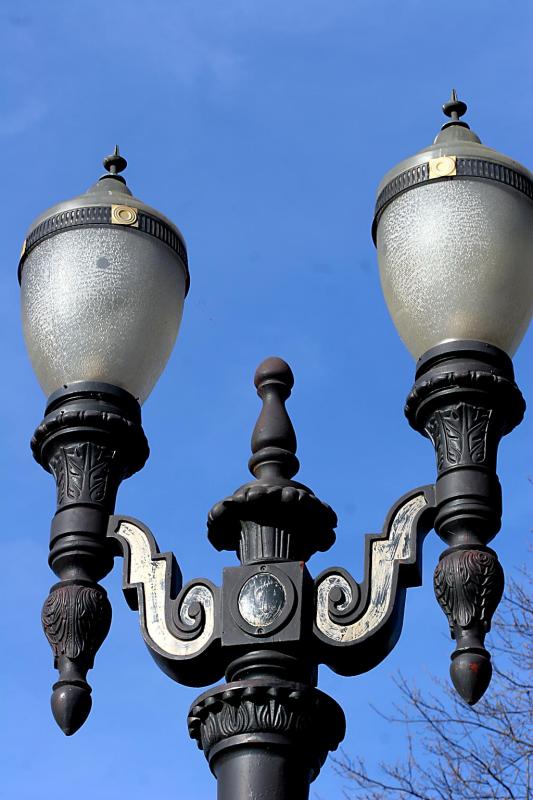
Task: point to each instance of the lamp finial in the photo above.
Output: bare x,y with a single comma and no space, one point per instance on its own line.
454,108
114,164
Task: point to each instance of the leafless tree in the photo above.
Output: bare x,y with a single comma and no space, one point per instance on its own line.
458,752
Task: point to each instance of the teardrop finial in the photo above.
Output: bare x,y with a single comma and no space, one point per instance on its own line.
71,705
114,164
273,439
454,108
471,673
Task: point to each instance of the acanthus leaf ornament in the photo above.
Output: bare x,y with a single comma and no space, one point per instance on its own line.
83,472
76,617
275,715
468,586
459,434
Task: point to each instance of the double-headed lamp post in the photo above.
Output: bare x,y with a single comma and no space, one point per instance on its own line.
103,280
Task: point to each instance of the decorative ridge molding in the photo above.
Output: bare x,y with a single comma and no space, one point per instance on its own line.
109,421
465,168
290,506
295,711
101,216
480,380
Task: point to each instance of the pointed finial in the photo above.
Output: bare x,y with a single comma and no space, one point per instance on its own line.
273,439
471,672
454,109
114,164
71,705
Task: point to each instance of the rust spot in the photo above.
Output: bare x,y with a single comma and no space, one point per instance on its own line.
302,564
474,667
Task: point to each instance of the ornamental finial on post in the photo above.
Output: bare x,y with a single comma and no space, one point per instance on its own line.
273,438
293,523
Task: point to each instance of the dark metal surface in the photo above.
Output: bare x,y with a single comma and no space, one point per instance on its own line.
268,730
465,399
265,738
90,440
272,517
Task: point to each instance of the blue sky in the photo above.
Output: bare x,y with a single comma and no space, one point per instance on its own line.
262,130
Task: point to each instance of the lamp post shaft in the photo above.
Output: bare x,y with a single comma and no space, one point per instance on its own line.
273,771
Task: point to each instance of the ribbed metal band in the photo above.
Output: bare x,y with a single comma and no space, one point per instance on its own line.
101,216
465,168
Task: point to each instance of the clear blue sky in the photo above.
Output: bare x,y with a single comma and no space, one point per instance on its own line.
262,129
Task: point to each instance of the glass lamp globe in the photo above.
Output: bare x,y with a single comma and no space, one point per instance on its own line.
103,280
454,235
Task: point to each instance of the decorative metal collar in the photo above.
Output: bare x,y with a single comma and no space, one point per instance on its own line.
106,216
449,168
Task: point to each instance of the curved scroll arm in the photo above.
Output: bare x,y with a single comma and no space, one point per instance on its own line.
357,626
179,624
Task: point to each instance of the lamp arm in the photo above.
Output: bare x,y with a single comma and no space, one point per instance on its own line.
357,626
179,624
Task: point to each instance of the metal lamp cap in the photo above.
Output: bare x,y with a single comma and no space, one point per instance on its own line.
108,202
456,153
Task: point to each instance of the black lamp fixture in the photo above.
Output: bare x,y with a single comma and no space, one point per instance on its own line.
103,281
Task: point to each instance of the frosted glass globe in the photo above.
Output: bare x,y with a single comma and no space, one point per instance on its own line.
101,304
456,262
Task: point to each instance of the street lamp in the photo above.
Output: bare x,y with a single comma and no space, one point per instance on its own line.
103,281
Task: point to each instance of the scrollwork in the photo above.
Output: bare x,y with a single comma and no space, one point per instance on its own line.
385,554
338,596
189,611
175,623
